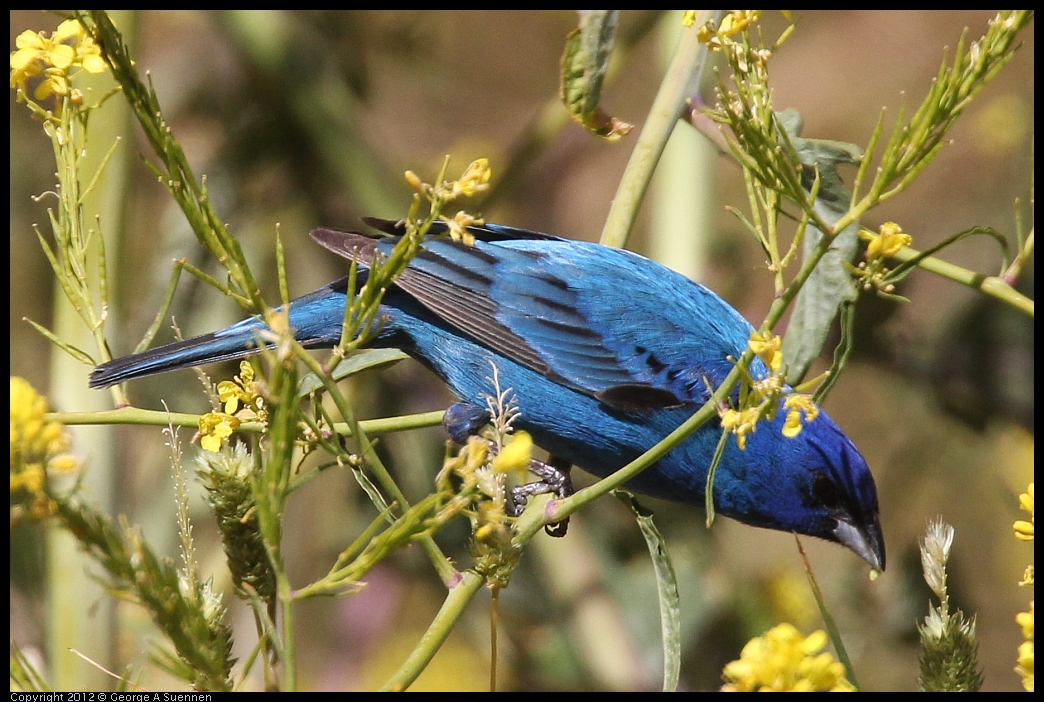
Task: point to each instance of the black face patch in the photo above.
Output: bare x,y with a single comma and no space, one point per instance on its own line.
825,491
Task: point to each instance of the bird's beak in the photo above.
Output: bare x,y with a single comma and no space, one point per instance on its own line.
867,541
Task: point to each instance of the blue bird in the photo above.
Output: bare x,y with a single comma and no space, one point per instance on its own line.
606,352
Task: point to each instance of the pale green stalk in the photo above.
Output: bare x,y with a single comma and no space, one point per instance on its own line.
678,85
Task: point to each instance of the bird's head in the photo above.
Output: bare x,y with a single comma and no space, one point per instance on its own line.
816,483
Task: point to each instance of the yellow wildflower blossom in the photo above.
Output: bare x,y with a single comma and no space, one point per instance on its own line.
38,450
214,428
1025,620
1024,529
475,179
243,390
769,349
458,227
55,57
733,23
1025,666
1024,532
737,20
784,661
516,455
797,404
741,423
889,240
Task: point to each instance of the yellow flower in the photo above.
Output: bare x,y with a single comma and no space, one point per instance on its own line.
737,20
1024,532
1025,620
887,243
414,181
796,404
37,48
1024,529
689,18
733,23
516,455
458,227
243,390
784,661
769,348
214,428
31,479
1025,666
38,450
741,423
475,179
54,57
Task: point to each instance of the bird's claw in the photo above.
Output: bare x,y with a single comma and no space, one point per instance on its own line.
554,478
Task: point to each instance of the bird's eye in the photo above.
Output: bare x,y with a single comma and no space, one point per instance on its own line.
825,490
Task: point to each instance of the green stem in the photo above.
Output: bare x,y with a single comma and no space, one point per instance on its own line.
144,417
678,86
286,599
989,284
457,599
447,573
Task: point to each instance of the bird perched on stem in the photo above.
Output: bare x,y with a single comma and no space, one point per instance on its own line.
606,352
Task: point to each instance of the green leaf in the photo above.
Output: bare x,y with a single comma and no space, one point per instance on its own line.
374,358
830,284
584,64
666,588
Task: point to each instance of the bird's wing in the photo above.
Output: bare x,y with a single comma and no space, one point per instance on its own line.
603,321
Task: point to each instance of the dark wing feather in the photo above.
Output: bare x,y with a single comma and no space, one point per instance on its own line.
455,292
482,232
509,300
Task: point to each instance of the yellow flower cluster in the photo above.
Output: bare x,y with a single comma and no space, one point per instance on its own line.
1025,660
785,661
38,449
515,457
243,389
216,427
56,58
797,405
769,348
474,180
888,241
741,422
1024,529
1024,532
458,227
717,37
763,399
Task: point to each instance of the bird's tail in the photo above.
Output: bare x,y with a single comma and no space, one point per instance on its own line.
315,319
181,354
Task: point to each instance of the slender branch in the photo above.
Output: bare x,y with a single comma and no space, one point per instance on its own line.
458,598
669,105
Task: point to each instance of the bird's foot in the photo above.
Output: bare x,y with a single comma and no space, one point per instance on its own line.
554,478
464,419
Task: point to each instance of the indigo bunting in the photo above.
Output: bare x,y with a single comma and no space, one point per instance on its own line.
606,352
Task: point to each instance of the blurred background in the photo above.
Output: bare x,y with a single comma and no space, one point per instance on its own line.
310,118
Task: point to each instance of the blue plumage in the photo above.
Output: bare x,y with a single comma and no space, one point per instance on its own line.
606,352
